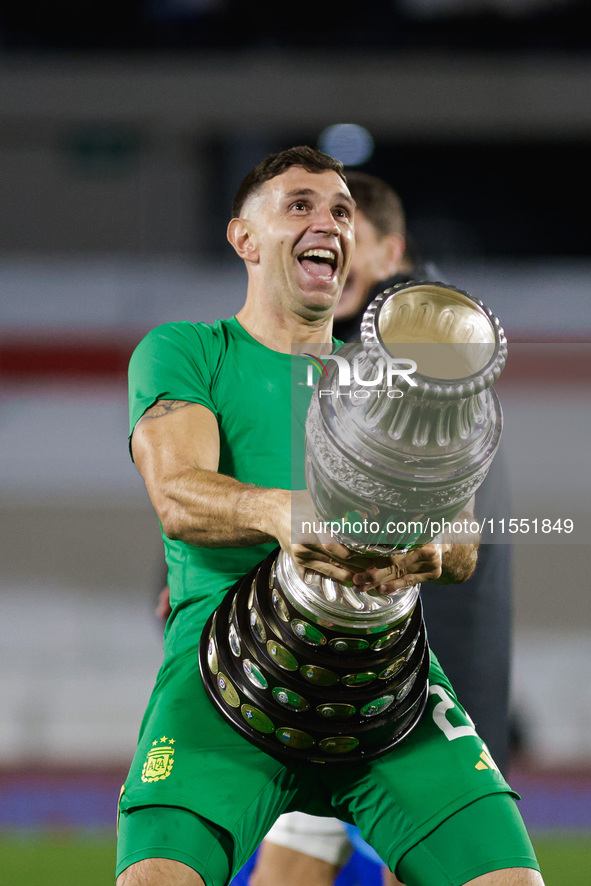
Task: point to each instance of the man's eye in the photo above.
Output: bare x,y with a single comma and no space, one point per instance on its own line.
298,205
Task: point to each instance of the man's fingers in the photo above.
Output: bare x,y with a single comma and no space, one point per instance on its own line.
338,551
390,574
325,559
325,568
329,570
424,564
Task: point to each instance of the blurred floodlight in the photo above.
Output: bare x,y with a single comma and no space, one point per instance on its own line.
347,142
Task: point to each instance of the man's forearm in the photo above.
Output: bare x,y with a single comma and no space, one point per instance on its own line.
212,510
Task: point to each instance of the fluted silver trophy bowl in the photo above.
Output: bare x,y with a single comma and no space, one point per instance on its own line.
410,452
400,433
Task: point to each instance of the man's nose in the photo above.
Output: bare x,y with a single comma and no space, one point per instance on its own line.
325,221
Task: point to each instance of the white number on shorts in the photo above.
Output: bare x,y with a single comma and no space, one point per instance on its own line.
439,715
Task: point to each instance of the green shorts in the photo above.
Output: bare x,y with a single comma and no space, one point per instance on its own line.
189,759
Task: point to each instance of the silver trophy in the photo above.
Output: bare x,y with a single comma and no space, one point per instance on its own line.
400,433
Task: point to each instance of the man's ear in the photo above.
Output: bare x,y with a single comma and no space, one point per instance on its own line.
243,239
394,245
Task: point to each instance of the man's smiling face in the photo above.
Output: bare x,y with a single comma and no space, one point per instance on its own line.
303,225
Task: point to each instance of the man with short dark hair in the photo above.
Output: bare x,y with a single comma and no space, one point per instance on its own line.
211,435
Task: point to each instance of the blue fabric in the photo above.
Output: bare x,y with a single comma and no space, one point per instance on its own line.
359,844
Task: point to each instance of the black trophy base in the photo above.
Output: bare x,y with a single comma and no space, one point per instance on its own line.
304,692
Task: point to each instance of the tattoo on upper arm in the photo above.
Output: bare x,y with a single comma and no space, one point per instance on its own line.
163,407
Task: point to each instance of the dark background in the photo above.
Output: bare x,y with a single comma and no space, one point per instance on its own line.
470,198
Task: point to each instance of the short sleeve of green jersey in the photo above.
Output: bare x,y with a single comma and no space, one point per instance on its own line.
175,361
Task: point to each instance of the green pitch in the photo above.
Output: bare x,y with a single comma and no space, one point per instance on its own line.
565,860
44,860
33,860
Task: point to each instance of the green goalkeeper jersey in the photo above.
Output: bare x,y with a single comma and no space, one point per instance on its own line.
259,398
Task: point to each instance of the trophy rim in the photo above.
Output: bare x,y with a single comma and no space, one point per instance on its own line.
375,346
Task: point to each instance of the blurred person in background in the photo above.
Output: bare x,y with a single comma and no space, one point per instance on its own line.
469,625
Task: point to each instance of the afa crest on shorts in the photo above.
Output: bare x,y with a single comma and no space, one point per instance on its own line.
159,760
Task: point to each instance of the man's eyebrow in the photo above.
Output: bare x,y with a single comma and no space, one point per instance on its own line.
301,192
347,198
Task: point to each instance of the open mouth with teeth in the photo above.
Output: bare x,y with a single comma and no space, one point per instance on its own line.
319,263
